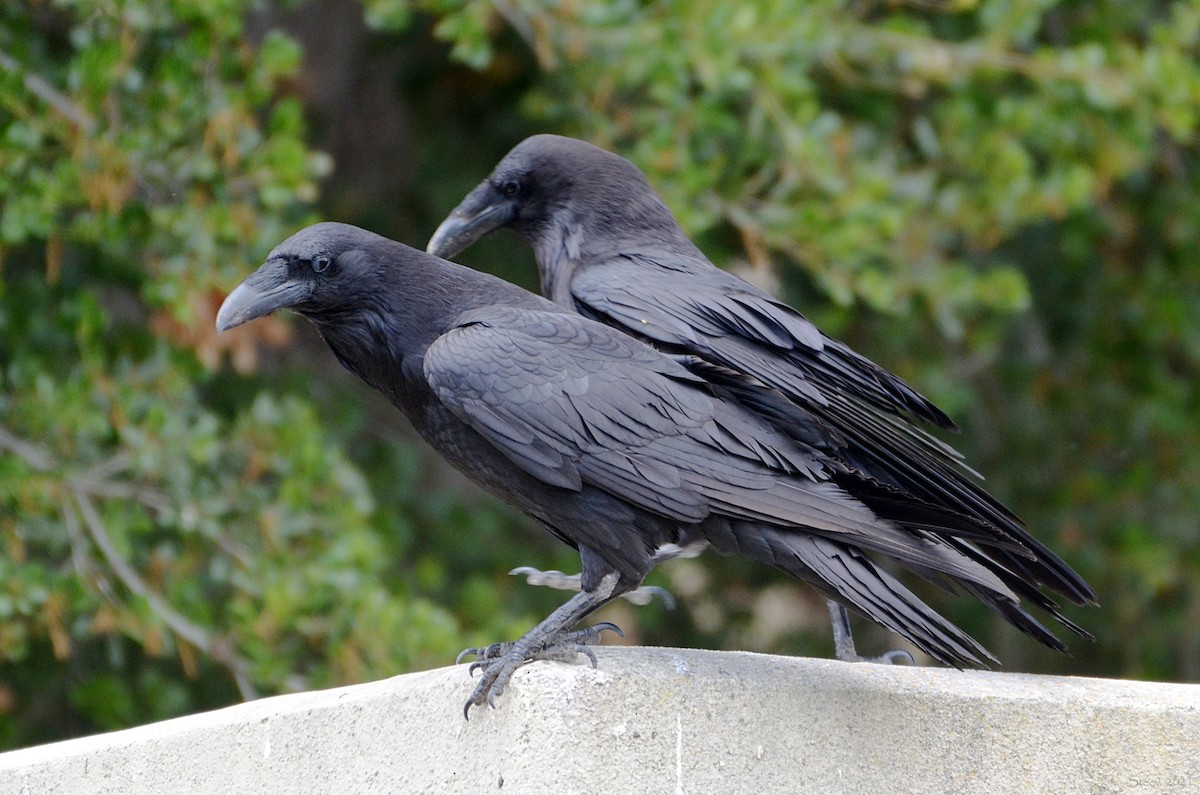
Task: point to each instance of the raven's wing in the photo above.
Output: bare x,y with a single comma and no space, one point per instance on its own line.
677,301
575,403
572,402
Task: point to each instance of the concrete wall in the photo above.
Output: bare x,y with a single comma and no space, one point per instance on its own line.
661,721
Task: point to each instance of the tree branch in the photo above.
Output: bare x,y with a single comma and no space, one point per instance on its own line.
92,483
37,458
41,88
218,649
85,567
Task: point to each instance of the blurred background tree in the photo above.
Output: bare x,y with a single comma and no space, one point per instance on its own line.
998,199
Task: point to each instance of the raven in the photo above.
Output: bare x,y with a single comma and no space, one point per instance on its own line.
619,449
608,248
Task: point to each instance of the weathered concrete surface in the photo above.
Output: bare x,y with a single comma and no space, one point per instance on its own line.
661,721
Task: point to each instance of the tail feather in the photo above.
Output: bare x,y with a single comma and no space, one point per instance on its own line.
917,504
843,572
851,578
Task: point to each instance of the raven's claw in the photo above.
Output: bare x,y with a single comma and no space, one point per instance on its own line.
894,657
483,654
500,661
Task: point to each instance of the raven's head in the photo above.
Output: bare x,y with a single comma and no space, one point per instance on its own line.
320,271
551,187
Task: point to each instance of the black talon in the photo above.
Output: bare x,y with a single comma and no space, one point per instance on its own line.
892,657
649,592
603,625
585,651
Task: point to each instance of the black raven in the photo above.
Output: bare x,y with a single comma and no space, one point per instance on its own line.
608,248
617,448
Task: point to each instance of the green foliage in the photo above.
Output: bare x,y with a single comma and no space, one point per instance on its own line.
148,162
998,198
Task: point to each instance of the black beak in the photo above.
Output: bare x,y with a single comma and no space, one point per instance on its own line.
267,289
481,212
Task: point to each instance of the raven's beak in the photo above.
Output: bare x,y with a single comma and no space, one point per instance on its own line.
267,289
481,212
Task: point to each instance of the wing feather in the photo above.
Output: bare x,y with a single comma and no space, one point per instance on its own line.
575,403
711,307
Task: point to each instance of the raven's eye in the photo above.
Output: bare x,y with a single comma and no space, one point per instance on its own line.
320,264
510,188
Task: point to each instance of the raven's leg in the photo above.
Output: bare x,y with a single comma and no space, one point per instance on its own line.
641,595
551,639
843,639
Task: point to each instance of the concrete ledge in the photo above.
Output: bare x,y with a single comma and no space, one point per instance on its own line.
661,721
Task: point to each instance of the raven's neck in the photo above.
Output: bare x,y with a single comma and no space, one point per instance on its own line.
568,244
383,337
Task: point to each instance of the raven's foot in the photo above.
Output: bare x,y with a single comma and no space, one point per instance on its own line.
572,582
893,657
500,661
843,641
